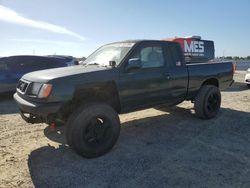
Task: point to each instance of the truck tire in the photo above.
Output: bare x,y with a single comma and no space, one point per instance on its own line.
93,130
207,102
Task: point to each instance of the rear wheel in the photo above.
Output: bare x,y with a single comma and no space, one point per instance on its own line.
93,130
207,102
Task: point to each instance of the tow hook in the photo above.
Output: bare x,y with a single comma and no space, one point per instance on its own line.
52,126
30,118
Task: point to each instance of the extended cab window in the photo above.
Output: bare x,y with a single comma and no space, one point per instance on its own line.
150,56
177,55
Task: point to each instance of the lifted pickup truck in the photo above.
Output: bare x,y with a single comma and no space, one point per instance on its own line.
119,78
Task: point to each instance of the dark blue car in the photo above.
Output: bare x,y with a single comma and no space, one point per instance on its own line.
14,67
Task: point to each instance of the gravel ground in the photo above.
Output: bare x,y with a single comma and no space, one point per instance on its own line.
157,148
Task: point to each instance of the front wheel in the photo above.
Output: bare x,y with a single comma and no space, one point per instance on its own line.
94,130
207,102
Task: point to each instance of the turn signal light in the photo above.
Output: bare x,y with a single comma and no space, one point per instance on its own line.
45,91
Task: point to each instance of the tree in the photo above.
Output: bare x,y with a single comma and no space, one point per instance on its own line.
236,58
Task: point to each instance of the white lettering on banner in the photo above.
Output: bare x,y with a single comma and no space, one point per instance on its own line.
194,47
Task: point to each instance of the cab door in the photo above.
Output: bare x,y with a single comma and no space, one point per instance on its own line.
148,84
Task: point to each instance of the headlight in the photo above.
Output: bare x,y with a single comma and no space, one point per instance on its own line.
35,88
45,91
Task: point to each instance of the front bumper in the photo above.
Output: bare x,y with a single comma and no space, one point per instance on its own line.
34,108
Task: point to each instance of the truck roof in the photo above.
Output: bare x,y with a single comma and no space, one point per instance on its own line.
139,40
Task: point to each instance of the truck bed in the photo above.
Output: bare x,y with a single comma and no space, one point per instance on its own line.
220,72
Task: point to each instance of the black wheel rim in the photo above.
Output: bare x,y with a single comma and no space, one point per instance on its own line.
97,131
213,102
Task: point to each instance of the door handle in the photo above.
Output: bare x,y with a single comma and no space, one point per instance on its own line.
166,75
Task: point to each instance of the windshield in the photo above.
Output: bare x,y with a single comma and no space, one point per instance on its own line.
111,52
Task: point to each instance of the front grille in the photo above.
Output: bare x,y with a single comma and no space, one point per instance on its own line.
22,86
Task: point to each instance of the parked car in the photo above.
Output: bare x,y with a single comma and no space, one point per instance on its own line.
14,67
247,77
119,78
70,60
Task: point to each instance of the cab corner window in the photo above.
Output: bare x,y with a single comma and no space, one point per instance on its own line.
177,55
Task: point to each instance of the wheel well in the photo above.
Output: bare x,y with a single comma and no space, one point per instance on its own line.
103,92
211,81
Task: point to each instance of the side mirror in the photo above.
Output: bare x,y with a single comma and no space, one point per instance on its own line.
112,63
134,63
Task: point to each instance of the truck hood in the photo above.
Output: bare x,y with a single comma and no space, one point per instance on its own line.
44,76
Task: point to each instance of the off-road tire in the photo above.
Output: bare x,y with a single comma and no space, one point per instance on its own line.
98,120
207,102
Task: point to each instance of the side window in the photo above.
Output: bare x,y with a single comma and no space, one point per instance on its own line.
30,63
44,63
38,63
56,62
150,56
14,64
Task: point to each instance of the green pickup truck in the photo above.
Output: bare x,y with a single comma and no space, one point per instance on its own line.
118,78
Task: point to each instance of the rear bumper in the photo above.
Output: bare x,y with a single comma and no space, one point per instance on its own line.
39,109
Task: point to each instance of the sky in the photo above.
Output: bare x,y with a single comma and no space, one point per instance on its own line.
64,27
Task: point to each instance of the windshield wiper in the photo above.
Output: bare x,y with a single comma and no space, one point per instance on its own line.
111,64
93,63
